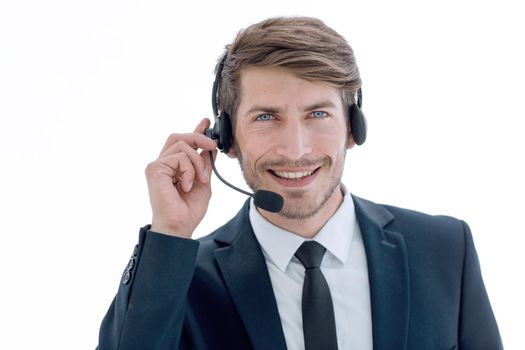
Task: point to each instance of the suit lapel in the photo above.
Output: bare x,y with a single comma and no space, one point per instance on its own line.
244,270
388,275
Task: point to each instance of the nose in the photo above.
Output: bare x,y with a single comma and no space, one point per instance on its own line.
294,141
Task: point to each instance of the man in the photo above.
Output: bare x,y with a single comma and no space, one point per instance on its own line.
384,277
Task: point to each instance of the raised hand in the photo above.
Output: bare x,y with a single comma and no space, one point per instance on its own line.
179,182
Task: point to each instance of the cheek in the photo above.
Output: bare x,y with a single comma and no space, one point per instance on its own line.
332,145
336,132
253,148
247,157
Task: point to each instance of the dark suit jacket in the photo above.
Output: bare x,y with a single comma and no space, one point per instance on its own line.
426,288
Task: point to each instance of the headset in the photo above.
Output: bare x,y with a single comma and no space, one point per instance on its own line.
221,131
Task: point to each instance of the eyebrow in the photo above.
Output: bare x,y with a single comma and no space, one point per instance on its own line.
270,109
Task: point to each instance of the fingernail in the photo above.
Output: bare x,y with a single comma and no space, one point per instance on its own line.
206,174
190,186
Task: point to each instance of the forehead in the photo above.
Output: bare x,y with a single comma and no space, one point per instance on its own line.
277,86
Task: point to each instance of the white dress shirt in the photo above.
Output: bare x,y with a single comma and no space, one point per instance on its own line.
344,267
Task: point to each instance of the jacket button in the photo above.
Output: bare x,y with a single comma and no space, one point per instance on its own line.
131,264
127,277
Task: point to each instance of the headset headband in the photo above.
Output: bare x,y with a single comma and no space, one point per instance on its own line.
216,84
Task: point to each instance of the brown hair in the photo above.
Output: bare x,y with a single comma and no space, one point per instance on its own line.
303,46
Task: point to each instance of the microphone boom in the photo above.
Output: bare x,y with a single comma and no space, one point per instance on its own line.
267,200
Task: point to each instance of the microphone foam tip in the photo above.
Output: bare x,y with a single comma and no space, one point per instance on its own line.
269,201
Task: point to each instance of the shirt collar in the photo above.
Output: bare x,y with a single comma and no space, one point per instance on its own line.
279,245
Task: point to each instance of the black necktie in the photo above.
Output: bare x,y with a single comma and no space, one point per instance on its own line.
318,310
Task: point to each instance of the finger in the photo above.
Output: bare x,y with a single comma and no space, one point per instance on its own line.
195,141
205,156
180,168
202,126
167,168
198,163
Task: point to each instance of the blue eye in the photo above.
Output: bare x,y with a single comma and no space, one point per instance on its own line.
319,114
264,117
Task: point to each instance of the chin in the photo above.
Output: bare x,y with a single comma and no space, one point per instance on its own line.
295,213
299,206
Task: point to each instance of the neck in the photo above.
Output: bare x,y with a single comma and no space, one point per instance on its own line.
307,227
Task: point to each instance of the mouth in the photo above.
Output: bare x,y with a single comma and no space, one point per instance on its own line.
294,178
292,175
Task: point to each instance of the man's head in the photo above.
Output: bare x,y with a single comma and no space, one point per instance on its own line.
287,83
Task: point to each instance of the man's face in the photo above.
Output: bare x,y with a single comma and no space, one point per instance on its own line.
291,138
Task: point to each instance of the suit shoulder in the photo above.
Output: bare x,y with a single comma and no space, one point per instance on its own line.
434,229
387,213
412,223
428,238
409,215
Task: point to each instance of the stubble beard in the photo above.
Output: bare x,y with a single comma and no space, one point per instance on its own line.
302,210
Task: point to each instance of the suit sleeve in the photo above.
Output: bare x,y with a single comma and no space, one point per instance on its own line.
477,328
148,310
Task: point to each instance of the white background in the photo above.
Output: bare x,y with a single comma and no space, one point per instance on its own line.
89,91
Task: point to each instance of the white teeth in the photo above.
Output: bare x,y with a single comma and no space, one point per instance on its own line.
293,175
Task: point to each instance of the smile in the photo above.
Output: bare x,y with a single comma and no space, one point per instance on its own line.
294,178
292,175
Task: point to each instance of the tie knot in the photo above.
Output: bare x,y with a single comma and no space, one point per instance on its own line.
310,254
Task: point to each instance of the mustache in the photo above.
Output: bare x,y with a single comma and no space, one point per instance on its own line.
299,163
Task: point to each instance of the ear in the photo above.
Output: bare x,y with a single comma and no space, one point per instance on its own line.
350,142
232,153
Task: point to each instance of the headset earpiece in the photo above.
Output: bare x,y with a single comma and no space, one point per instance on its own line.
358,126
221,132
225,139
